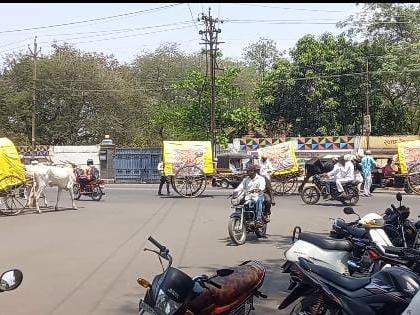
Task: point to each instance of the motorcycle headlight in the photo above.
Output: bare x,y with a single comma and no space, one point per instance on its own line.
145,309
165,305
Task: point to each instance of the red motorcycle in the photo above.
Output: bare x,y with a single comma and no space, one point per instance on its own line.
229,291
93,188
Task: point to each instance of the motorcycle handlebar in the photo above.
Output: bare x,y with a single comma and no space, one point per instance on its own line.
214,284
157,244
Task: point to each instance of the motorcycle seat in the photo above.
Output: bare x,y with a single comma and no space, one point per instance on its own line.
326,242
235,289
354,231
347,283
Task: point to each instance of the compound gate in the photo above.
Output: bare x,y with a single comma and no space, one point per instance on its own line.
137,164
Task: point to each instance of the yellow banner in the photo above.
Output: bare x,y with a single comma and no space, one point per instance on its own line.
177,154
386,142
408,155
282,156
12,171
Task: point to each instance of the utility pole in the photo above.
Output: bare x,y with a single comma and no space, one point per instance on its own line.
368,121
34,55
210,38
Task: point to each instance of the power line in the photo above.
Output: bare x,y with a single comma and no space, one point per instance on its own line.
295,9
90,20
112,38
192,17
304,21
119,30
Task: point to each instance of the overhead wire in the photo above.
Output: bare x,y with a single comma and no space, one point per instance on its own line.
89,20
192,17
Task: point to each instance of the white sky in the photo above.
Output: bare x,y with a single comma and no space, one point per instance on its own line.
144,31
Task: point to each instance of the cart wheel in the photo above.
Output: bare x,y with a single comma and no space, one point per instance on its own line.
12,197
224,183
284,185
189,181
413,178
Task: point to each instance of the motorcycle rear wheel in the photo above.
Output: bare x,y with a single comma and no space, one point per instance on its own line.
76,192
310,195
353,197
237,234
261,232
96,194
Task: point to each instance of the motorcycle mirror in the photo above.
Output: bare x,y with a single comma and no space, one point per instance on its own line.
348,210
399,197
224,272
10,280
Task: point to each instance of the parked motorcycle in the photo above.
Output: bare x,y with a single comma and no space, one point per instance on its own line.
311,194
230,291
10,280
320,290
345,256
402,231
243,219
93,188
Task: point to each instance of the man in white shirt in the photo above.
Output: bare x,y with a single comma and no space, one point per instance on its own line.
266,169
347,174
332,175
254,186
163,179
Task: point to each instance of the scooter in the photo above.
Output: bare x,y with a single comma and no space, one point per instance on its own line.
321,290
10,280
341,255
229,291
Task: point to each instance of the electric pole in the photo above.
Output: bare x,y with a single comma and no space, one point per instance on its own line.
210,40
368,121
34,55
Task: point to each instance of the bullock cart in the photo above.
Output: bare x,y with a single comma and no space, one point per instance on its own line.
189,164
409,163
12,179
284,178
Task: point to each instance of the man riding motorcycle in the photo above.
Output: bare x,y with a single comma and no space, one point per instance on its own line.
254,186
89,174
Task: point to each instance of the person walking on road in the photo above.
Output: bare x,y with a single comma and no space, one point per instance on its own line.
163,179
368,164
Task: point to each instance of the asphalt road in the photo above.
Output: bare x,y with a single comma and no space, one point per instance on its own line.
86,261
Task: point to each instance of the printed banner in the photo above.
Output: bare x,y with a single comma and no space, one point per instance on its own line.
408,154
177,154
387,142
282,156
12,171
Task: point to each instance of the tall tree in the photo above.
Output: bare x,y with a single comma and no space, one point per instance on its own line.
261,55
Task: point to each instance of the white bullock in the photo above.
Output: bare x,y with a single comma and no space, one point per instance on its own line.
49,175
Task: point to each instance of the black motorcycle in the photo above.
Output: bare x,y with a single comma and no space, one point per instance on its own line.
230,291
311,194
402,231
243,219
321,290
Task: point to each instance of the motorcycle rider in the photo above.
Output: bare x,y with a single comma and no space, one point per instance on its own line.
254,186
357,171
89,174
332,175
347,174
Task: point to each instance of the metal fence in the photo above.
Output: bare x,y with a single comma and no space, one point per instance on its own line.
137,165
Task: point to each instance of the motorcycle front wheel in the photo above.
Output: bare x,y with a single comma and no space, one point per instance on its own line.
96,194
310,195
76,192
237,232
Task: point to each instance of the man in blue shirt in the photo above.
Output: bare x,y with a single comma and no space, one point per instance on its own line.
368,164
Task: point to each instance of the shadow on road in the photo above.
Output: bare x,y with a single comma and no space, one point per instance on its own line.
43,209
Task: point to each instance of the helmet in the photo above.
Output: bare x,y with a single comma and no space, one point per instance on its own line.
372,220
89,162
